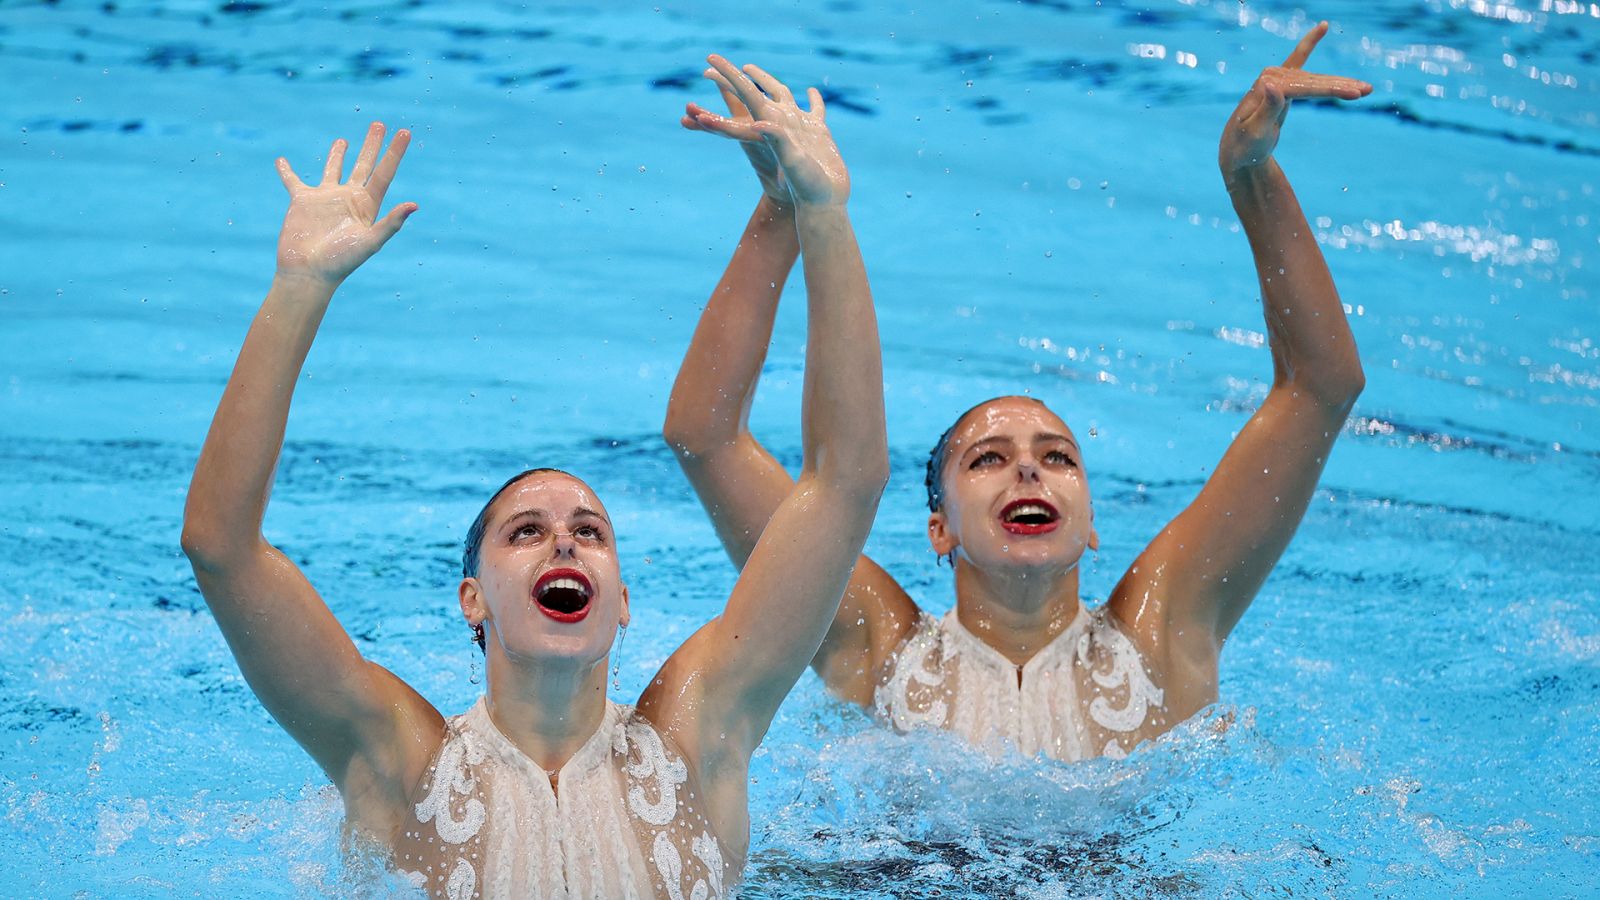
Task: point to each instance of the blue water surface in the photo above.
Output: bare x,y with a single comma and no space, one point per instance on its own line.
1410,707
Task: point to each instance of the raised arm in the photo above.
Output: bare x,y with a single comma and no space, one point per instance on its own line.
745,661
740,484
1194,581
361,724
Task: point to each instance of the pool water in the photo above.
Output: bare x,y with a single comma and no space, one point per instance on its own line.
1410,709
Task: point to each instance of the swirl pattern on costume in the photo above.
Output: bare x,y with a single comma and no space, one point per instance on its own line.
624,820
1086,693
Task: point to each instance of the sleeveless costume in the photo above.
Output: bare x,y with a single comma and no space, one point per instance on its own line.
1086,693
628,821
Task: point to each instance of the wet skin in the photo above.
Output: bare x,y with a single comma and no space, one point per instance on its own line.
1001,455
546,523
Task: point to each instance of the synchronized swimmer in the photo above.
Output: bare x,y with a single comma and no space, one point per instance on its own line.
1021,662
546,787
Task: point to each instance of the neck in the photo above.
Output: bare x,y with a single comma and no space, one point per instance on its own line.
548,709
1015,612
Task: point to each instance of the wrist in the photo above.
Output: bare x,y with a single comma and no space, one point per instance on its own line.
774,207
1247,176
821,207
305,286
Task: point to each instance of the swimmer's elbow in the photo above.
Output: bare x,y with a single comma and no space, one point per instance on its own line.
199,546
210,548
1333,387
1338,390
862,474
695,441
689,435
683,440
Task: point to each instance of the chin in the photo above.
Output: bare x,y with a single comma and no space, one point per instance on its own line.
1034,556
574,648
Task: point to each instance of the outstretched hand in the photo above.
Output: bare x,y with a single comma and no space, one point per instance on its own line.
739,125
332,227
791,149
1252,131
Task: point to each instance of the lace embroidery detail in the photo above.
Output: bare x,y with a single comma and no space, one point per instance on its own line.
628,823
917,664
463,881
1091,679
669,864
450,776
655,770
1127,668
709,851
668,774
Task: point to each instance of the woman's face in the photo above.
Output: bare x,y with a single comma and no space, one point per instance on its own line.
1015,493
548,582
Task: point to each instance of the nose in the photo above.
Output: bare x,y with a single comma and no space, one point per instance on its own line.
1027,468
565,545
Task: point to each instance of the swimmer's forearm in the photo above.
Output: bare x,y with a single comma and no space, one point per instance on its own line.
842,424
1312,346
233,478
711,398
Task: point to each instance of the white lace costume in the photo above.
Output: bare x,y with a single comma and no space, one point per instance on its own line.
627,822
1085,694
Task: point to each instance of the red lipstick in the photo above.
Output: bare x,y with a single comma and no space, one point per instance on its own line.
563,595
1028,516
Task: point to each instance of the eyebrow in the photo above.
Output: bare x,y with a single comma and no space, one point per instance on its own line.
1039,436
984,442
1053,436
536,513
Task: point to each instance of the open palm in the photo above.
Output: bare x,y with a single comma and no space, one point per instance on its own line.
332,227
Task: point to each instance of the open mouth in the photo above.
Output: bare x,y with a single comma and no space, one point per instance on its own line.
563,595
1029,517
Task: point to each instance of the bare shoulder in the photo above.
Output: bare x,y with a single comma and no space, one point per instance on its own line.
873,621
1181,660
674,702
401,734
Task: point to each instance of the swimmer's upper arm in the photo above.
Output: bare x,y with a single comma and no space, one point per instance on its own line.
352,716
1196,578
722,688
741,484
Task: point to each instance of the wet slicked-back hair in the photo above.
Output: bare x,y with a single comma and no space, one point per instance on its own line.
934,481
474,549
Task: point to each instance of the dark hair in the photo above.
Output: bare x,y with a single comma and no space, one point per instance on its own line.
934,481
474,548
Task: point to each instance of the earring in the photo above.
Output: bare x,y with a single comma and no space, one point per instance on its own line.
616,659
474,676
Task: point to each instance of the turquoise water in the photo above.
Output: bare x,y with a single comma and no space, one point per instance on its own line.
1410,707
